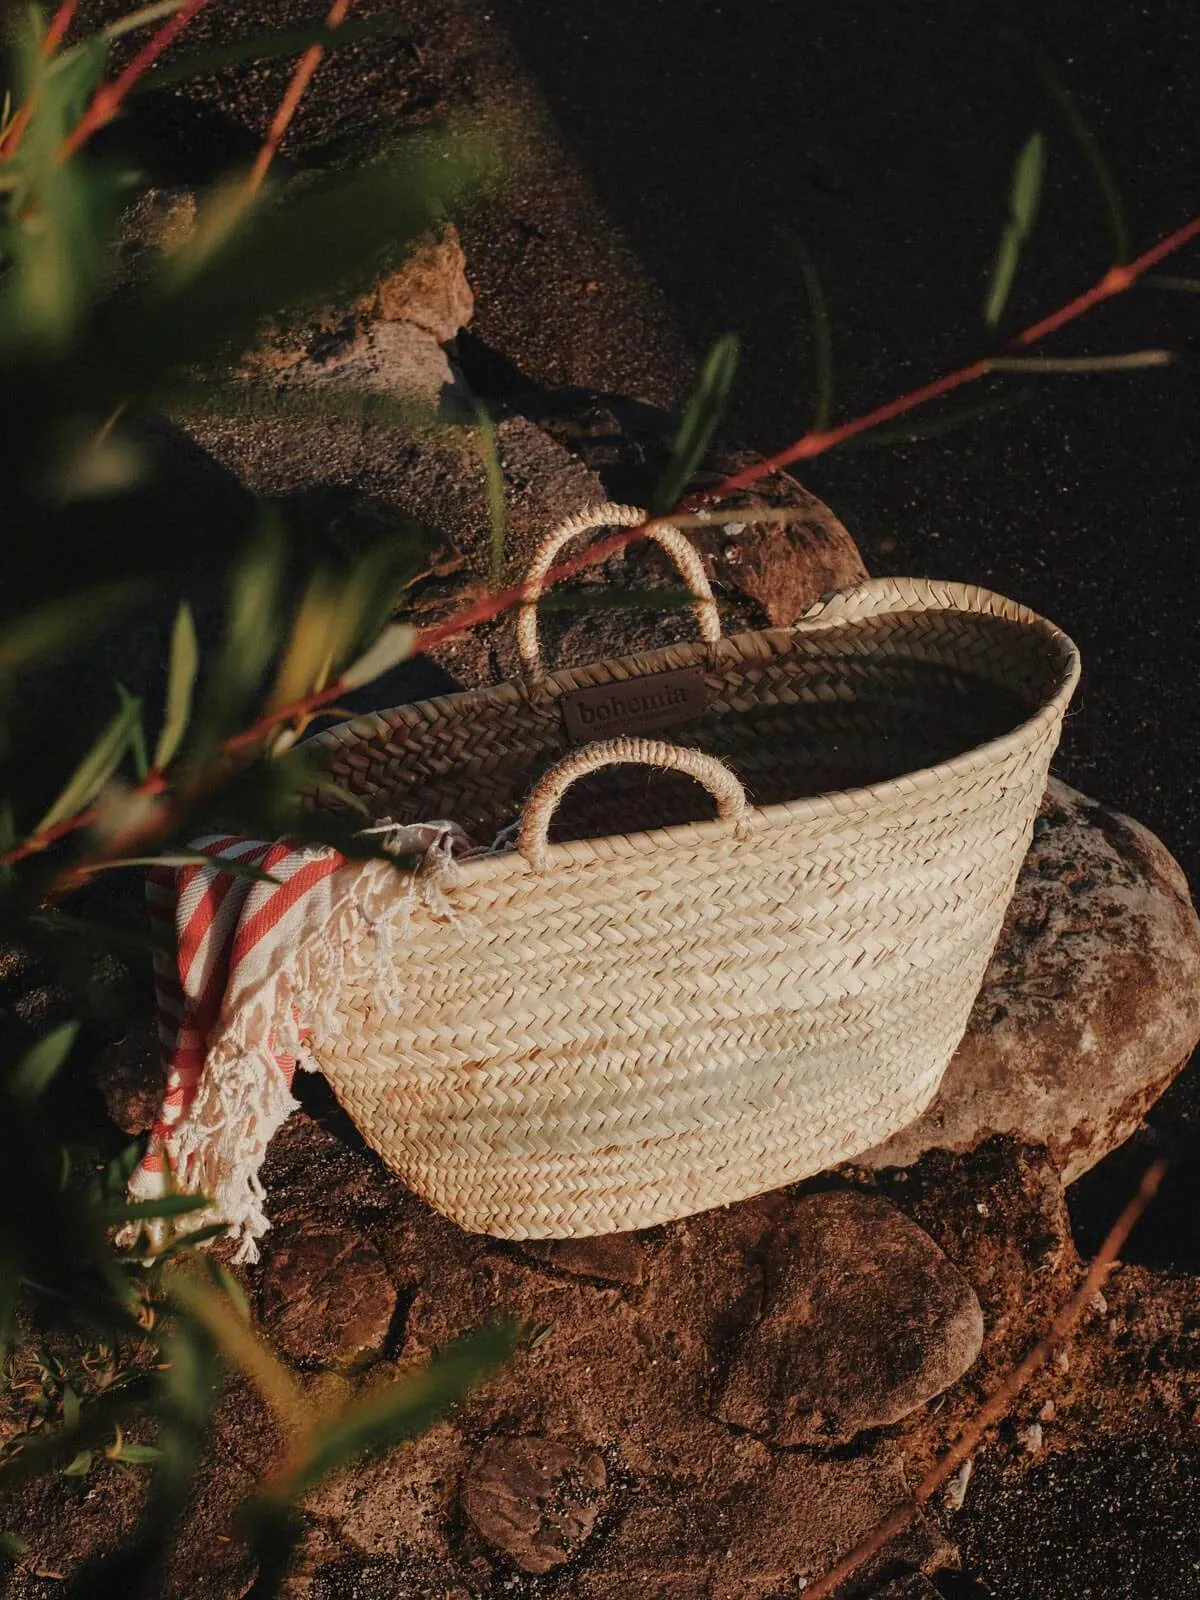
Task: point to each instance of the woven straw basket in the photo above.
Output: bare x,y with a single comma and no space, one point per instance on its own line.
646,1010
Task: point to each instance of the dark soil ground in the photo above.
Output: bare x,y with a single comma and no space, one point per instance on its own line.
666,156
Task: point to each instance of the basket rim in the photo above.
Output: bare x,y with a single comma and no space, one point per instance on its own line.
875,596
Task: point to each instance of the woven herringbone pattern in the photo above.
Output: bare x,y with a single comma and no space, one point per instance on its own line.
666,1010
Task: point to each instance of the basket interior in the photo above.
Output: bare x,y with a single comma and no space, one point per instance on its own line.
793,717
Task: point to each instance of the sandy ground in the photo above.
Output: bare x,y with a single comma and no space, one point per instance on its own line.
666,156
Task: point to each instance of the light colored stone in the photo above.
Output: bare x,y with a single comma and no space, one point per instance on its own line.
392,358
430,290
1091,1003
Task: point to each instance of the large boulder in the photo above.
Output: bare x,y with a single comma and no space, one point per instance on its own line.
1091,1003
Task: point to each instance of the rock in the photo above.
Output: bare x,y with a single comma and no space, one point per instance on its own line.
557,456
781,568
864,1319
430,290
612,1257
389,342
158,220
392,358
325,1295
1091,1003
1001,1217
535,1500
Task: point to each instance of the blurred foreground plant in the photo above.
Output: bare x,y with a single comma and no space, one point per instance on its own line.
120,1341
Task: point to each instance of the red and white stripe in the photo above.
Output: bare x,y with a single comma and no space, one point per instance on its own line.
217,924
256,970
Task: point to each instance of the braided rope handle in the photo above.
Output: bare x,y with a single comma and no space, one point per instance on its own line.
610,515
533,841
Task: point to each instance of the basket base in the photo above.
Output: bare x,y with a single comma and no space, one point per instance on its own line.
643,1185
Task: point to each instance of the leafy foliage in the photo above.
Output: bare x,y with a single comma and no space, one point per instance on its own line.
136,1341
699,421
1024,198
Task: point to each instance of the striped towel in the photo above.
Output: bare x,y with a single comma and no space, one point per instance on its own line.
255,981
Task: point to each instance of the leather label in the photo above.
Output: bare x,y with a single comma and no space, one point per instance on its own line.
635,705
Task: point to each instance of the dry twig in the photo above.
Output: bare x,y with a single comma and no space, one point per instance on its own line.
998,1404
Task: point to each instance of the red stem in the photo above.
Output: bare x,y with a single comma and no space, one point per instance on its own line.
301,78
1115,281
106,102
59,23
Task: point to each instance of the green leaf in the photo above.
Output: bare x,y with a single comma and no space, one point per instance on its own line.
263,47
229,1286
12,1547
222,1319
251,635
191,1240
11,1275
181,680
167,1205
79,1465
70,1407
822,332
58,923
8,826
115,1175
62,227
380,1420
32,1074
1089,147
189,858
137,735
394,644
1024,198
96,768
246,402
49,629
141,18
49,1448
191,1371
134,1454
699,422
1127,361
497,509
933,426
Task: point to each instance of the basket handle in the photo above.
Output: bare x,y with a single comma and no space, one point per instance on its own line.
533,840
610,515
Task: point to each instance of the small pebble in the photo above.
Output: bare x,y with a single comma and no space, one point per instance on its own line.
956,1489
1031,1438
1062,1361
1048,1412
1099,1303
